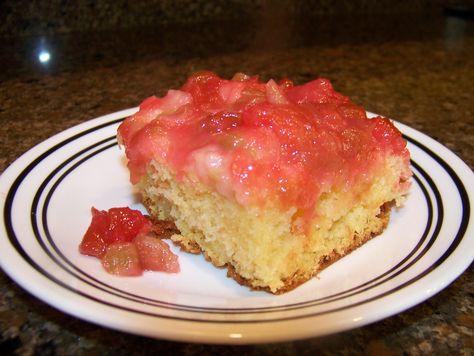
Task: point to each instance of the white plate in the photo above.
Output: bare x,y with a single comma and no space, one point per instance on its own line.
46,196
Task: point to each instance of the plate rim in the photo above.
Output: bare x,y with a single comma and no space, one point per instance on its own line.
11,172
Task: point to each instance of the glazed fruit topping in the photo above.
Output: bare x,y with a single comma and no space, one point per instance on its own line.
128,243
256,141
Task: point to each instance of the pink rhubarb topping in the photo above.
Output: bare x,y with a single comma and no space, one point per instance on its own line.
251,140
127,243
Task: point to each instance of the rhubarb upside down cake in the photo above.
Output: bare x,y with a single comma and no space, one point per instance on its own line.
272,180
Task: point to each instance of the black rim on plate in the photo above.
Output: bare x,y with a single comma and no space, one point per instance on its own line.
45,192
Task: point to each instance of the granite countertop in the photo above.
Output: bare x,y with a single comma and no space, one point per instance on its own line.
415,69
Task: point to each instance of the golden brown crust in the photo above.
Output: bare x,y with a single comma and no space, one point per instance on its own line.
189,246
384,216
164,229
325,261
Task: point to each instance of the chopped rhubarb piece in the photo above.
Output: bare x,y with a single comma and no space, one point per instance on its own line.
156,255
115,225
122,259
125,224
93,243
127,242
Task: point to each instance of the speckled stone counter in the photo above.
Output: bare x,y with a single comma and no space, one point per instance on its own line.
26,17
414,69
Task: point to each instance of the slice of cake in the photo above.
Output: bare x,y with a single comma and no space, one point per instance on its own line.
271,180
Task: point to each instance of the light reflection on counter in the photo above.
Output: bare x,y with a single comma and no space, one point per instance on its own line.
44,56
